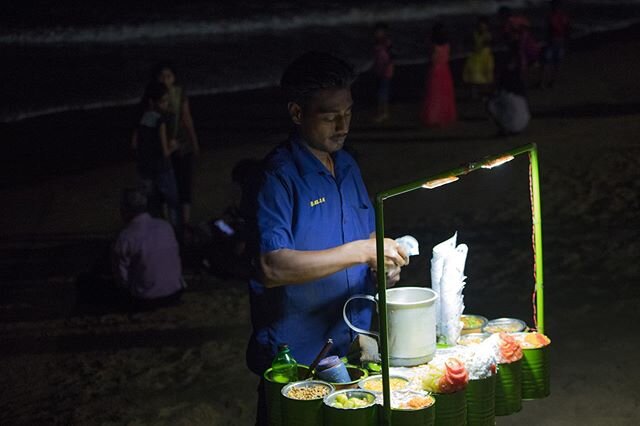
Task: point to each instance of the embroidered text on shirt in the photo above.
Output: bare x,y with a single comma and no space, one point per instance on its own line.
318,201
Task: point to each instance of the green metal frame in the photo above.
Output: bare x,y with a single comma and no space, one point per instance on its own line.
488,162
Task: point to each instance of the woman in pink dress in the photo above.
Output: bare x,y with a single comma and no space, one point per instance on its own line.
439,107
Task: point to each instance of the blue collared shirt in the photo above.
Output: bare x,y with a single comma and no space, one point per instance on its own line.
301,206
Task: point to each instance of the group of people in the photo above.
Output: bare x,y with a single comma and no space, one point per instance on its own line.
308,222
145,257
165,143
503,85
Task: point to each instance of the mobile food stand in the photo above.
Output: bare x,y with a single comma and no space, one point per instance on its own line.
521,374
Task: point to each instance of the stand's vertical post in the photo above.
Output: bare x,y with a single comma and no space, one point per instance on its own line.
382,308
537,236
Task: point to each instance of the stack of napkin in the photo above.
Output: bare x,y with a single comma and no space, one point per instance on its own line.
448,280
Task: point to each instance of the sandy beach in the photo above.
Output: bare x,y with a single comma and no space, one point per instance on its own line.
185,365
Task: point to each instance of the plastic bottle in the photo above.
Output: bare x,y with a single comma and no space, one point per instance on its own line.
284,367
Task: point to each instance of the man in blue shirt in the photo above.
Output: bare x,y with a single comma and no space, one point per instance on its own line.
315,225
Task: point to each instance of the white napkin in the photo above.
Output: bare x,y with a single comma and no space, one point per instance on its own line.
410,245
448,280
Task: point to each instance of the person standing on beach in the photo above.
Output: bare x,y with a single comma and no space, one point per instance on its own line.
558,28
439,106
383,68
517,36
479,66
153,149
181,129
314,225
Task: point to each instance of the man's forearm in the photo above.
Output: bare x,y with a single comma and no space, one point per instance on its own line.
284,267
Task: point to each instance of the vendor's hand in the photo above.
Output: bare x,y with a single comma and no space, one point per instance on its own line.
363,349
393,276
394,254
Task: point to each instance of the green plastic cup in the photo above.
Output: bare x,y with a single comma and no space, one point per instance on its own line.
361,416
535,373
421,417
509,388
481,398
272,391
308,412
451,409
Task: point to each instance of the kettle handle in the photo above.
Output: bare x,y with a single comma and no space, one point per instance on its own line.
353,327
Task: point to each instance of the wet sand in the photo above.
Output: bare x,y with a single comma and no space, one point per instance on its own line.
184,365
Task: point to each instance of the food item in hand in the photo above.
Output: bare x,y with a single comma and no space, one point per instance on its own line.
308,392
510,349
375,384
345,401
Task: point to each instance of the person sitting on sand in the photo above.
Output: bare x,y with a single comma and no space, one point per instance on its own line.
509,108
145,256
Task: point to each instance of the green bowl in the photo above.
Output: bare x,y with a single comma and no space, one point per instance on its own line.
451,408
509,388
272,391
297,412
418,417
535,373
361,416
481,398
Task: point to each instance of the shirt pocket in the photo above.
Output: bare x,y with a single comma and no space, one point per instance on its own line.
358,223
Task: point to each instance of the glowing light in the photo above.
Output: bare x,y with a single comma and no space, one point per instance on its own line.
439,182
497,162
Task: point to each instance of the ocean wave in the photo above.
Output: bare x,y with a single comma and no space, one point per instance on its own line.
119,33
259,74
24,115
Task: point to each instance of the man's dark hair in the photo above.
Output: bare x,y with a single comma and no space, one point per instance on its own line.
134,200
314,71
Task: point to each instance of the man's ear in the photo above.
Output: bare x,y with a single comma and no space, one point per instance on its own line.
295,112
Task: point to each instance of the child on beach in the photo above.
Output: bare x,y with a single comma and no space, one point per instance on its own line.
439,106
153,149
478,68
383,68
181,129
